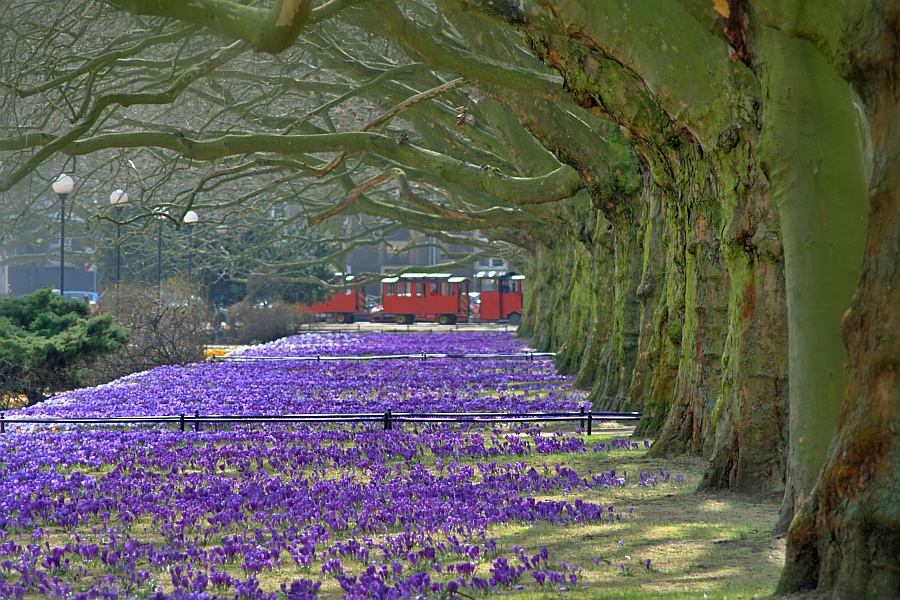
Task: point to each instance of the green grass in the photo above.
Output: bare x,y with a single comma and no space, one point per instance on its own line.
707,545
700,545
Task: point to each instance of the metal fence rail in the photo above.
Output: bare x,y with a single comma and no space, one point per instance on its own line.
417,356
387,419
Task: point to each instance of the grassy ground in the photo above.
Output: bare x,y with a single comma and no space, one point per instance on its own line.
699,545
706,545
714,545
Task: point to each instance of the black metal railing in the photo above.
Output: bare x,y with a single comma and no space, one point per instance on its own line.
423,356
388,418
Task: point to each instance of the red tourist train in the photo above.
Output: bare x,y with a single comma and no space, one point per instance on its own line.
500,295
344,306
430,297
434,297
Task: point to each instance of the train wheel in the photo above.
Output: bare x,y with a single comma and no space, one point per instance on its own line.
445,320
340,318
350,318
514,318
403,320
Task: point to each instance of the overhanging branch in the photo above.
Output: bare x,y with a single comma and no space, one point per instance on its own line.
551,187
270,30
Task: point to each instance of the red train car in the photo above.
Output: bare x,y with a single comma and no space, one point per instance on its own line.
343,306
501,296
434,297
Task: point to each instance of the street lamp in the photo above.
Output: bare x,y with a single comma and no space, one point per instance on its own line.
62,187
190,219
161,217
118,199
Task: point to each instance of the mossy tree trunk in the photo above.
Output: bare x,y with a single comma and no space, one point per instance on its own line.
699,302
657,357
811,151
698,313
845,537
750,418
620,358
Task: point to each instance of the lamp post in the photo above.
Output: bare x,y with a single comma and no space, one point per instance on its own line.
161,217
118,199
62,187
190,219
159,260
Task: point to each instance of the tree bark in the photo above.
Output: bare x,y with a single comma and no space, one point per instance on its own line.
845,538
751,438
811,150
698,313
625,329
652,355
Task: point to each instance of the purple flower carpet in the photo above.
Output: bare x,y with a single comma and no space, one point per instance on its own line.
301,511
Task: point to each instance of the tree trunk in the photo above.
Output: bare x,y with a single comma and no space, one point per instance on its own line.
706,301
657,358
750,417
845,538
812,154
698,313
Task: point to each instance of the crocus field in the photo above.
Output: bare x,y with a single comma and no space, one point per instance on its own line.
303,511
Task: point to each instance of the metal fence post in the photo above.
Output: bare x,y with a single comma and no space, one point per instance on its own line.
2,422
581,422
424,356
387,420
181,422
197,422
590,421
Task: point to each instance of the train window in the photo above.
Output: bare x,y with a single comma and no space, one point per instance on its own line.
433,288
420,290
513,285
389,289
488,285
446,289
403,288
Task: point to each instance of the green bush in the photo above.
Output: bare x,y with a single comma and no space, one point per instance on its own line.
46,342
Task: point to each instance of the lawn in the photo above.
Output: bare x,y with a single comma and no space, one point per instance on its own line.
276,511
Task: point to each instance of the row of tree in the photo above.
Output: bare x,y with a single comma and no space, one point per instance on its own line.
708,189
